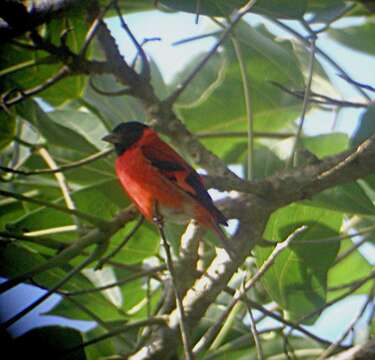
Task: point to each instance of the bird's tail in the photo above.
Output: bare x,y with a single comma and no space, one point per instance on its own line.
223,239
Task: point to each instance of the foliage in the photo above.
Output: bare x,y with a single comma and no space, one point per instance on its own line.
69,118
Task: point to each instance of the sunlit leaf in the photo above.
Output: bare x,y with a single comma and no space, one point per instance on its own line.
297,280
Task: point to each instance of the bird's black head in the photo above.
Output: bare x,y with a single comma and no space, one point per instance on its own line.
124,135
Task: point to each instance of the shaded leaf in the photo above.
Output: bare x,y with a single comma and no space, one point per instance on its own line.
49,342
356,37
325,11
7,129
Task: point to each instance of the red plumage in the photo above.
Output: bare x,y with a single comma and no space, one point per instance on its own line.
152,172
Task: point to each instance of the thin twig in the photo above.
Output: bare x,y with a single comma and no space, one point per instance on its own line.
352,157
158,220
353,248
254,331
197,11
319,51
320,98
61,168
143,273
211,334
242,134
356,83
306,100
105,259
197,37
98,250
331,349
47,242
289,323
60,74
145,71
237,17
356,285
96,318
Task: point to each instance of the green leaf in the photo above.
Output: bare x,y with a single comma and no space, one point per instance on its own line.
358,38
101,349
143,244
114,109
49,342
297,280
321,83
352,268
54,133
274,8
266,59
326,11
83,123
36,67
210,77
7,129
349,198
326,144
102,200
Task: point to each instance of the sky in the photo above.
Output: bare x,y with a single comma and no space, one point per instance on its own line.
171,60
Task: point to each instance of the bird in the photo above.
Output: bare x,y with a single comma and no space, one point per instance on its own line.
158,179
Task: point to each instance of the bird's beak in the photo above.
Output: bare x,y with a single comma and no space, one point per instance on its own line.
111,138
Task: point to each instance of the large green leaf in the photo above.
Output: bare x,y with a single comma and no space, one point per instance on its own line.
53,132
356,37
266,59
297,280
280,8
116,109
83,123
102,200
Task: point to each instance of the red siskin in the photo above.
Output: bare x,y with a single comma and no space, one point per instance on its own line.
151,172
